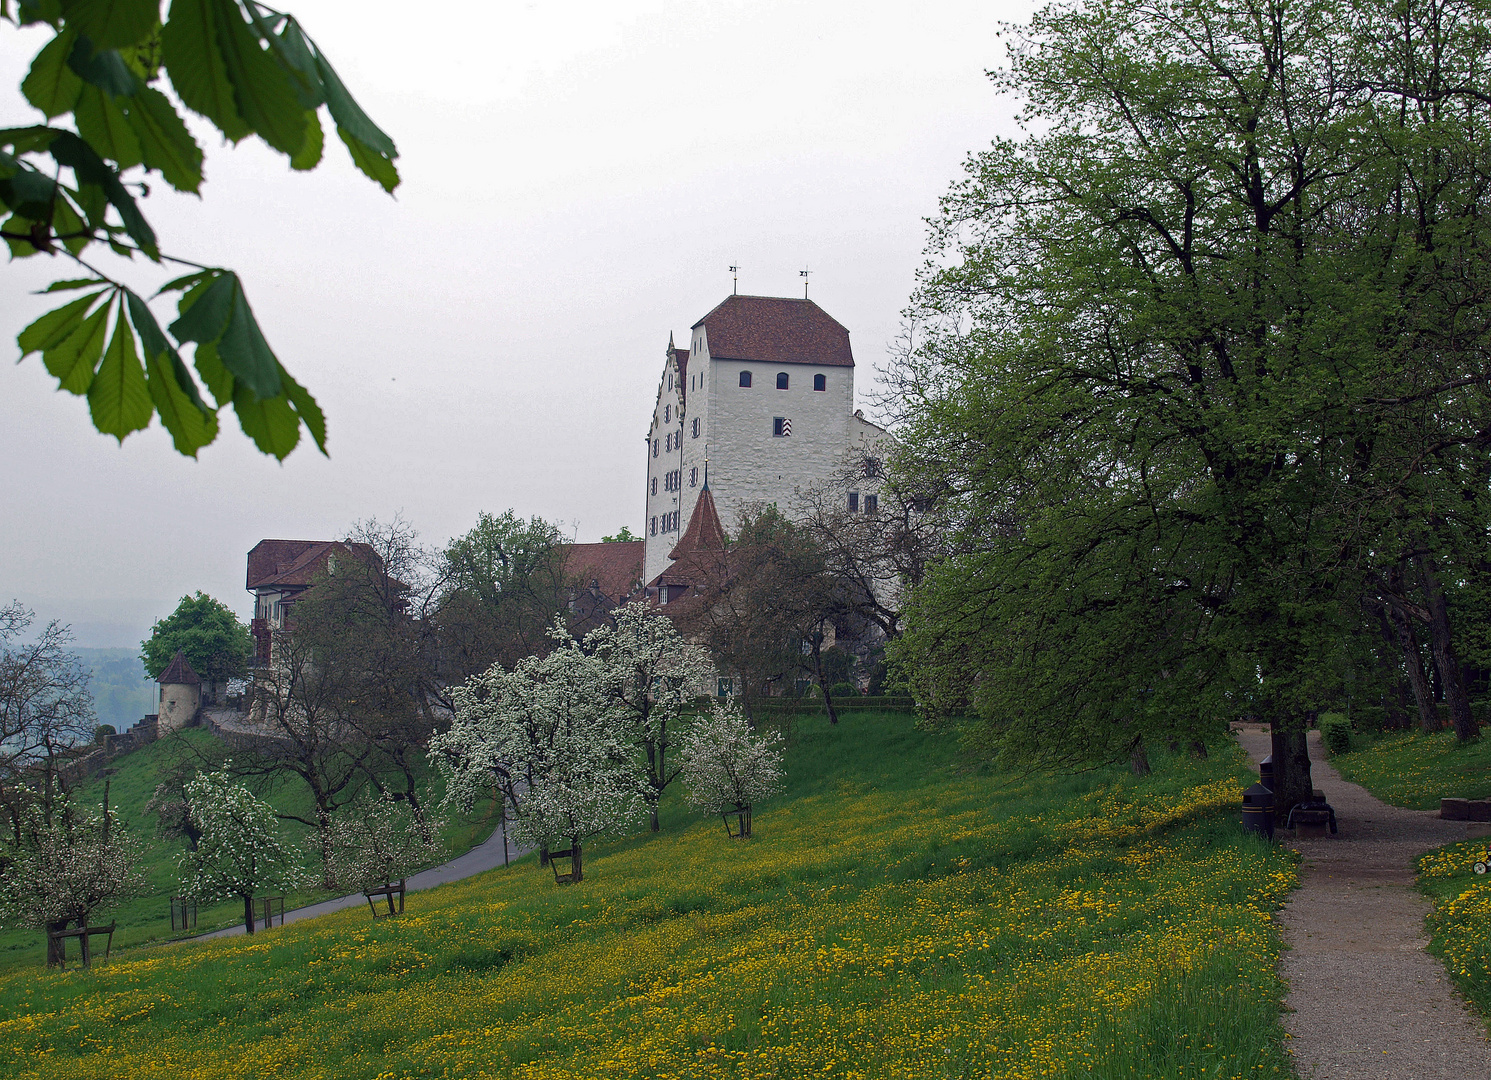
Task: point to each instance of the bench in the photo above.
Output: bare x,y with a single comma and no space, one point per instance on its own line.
1313,816
388,893
83,934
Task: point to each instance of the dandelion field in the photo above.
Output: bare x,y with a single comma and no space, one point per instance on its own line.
896,916
1460,926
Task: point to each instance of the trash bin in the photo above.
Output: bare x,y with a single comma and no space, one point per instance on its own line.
1258,810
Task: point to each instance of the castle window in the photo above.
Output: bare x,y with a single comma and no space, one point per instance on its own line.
667,411
872,466
654,485
781,380
820,382
668,443
654,525
872,503
854,502
745,379
696,427
781,427
694,476
654,447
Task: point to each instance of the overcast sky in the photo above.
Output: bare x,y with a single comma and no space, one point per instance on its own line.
577,179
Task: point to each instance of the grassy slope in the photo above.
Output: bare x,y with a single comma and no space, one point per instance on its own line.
1416,771
894,917
147,918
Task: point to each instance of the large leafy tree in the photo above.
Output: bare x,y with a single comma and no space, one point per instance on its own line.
1196,356
214,642
69,184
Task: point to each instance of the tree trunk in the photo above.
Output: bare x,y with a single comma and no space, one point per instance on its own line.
576,874
652,808
543,855
248,913
828,701
1138,759
1198,750
1413,662
1450,675
56,949
1292,781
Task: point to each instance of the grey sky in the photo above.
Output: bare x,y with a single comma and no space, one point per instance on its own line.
577,178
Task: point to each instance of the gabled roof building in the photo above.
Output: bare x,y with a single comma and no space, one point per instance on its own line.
762,400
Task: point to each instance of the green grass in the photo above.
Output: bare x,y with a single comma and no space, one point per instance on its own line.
1460,927
1416,770
147,918
897,915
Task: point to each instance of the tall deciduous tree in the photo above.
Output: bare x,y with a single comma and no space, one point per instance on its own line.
249,70
1189,355
215,643
502,583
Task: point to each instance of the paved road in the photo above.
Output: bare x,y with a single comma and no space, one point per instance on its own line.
1365,1001
487,855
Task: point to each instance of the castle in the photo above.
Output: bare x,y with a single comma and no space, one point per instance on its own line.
763,399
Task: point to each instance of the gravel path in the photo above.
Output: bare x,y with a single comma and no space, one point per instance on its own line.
1366,1002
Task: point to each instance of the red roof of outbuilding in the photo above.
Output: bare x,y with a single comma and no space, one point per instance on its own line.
776,330
179,672
614,568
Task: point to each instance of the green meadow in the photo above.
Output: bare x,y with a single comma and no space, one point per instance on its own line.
898,914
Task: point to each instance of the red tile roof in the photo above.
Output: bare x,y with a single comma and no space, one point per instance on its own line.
614,568
699,550
776,330
295,563
179,672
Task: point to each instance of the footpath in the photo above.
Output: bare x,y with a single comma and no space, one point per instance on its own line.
488,855
1365,1000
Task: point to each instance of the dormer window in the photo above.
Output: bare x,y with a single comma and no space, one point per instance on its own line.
745,379
781,380
820,382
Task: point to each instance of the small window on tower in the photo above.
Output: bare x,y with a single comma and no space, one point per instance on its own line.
694,476
781,380
667,412
854,502
745,378
696,427
654,447
654,525
781,427
654,485
820,382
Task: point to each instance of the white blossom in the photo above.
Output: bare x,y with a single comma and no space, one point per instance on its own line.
726,765
380,843
241,852
543,734
66,872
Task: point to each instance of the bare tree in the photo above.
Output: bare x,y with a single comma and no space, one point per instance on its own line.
45,709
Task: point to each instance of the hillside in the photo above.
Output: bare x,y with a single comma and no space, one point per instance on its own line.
132,781
897,915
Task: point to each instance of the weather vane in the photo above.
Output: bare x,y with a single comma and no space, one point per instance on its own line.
735,280
803,273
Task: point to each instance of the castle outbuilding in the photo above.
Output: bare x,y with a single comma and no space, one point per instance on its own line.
765,395
180,695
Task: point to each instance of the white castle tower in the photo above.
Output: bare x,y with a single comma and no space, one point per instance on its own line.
765,394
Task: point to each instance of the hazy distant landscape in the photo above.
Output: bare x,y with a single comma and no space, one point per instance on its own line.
121,693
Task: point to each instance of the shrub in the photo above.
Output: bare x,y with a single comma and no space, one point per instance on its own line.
1336,733
102,730
844,689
